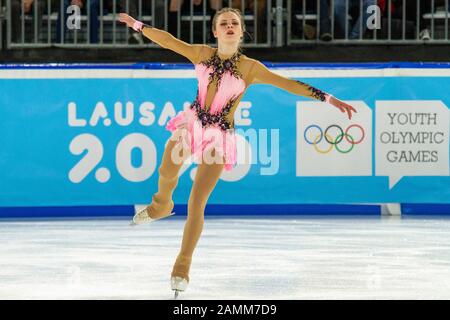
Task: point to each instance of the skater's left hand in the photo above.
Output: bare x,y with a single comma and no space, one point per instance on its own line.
342,106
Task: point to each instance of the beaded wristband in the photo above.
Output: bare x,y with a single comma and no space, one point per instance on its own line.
137,26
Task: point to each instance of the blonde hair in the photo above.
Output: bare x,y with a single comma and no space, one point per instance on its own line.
235,11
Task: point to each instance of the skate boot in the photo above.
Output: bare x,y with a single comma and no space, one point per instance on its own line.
142,217
178,284
180,274
162,203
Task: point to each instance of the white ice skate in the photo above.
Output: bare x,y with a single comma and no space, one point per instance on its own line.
142,217
178,284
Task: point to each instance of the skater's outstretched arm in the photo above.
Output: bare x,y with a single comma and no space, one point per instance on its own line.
164,39
261,74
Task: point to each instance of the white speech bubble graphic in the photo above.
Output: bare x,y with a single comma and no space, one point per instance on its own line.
411,139
351,156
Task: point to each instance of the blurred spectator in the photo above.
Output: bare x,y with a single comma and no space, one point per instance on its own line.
414,13
29,7
411,14
94,24
325,21
341,12
159,15
174,8
309,7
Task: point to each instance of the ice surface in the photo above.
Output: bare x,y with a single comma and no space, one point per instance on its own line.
281,257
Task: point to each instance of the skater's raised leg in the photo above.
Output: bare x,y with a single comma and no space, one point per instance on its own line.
172,161
162,204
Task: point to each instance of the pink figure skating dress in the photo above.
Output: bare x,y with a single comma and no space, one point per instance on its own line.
206,127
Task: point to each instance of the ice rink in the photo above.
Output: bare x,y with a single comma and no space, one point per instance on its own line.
282,257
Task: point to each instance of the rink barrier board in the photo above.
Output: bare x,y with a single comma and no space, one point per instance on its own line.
226,210
214,209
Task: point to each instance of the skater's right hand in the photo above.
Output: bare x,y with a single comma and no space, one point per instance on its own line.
125,18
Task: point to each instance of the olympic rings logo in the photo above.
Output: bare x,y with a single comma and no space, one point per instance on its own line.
343,134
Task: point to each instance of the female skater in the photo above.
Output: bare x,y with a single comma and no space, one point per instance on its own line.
224,74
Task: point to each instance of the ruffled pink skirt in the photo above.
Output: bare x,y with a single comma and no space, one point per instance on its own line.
187,129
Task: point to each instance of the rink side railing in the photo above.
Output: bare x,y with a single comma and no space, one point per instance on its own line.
188,22
269,23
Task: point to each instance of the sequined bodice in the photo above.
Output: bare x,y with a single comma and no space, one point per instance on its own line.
229,87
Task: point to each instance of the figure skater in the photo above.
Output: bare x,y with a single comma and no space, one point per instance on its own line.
223,74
